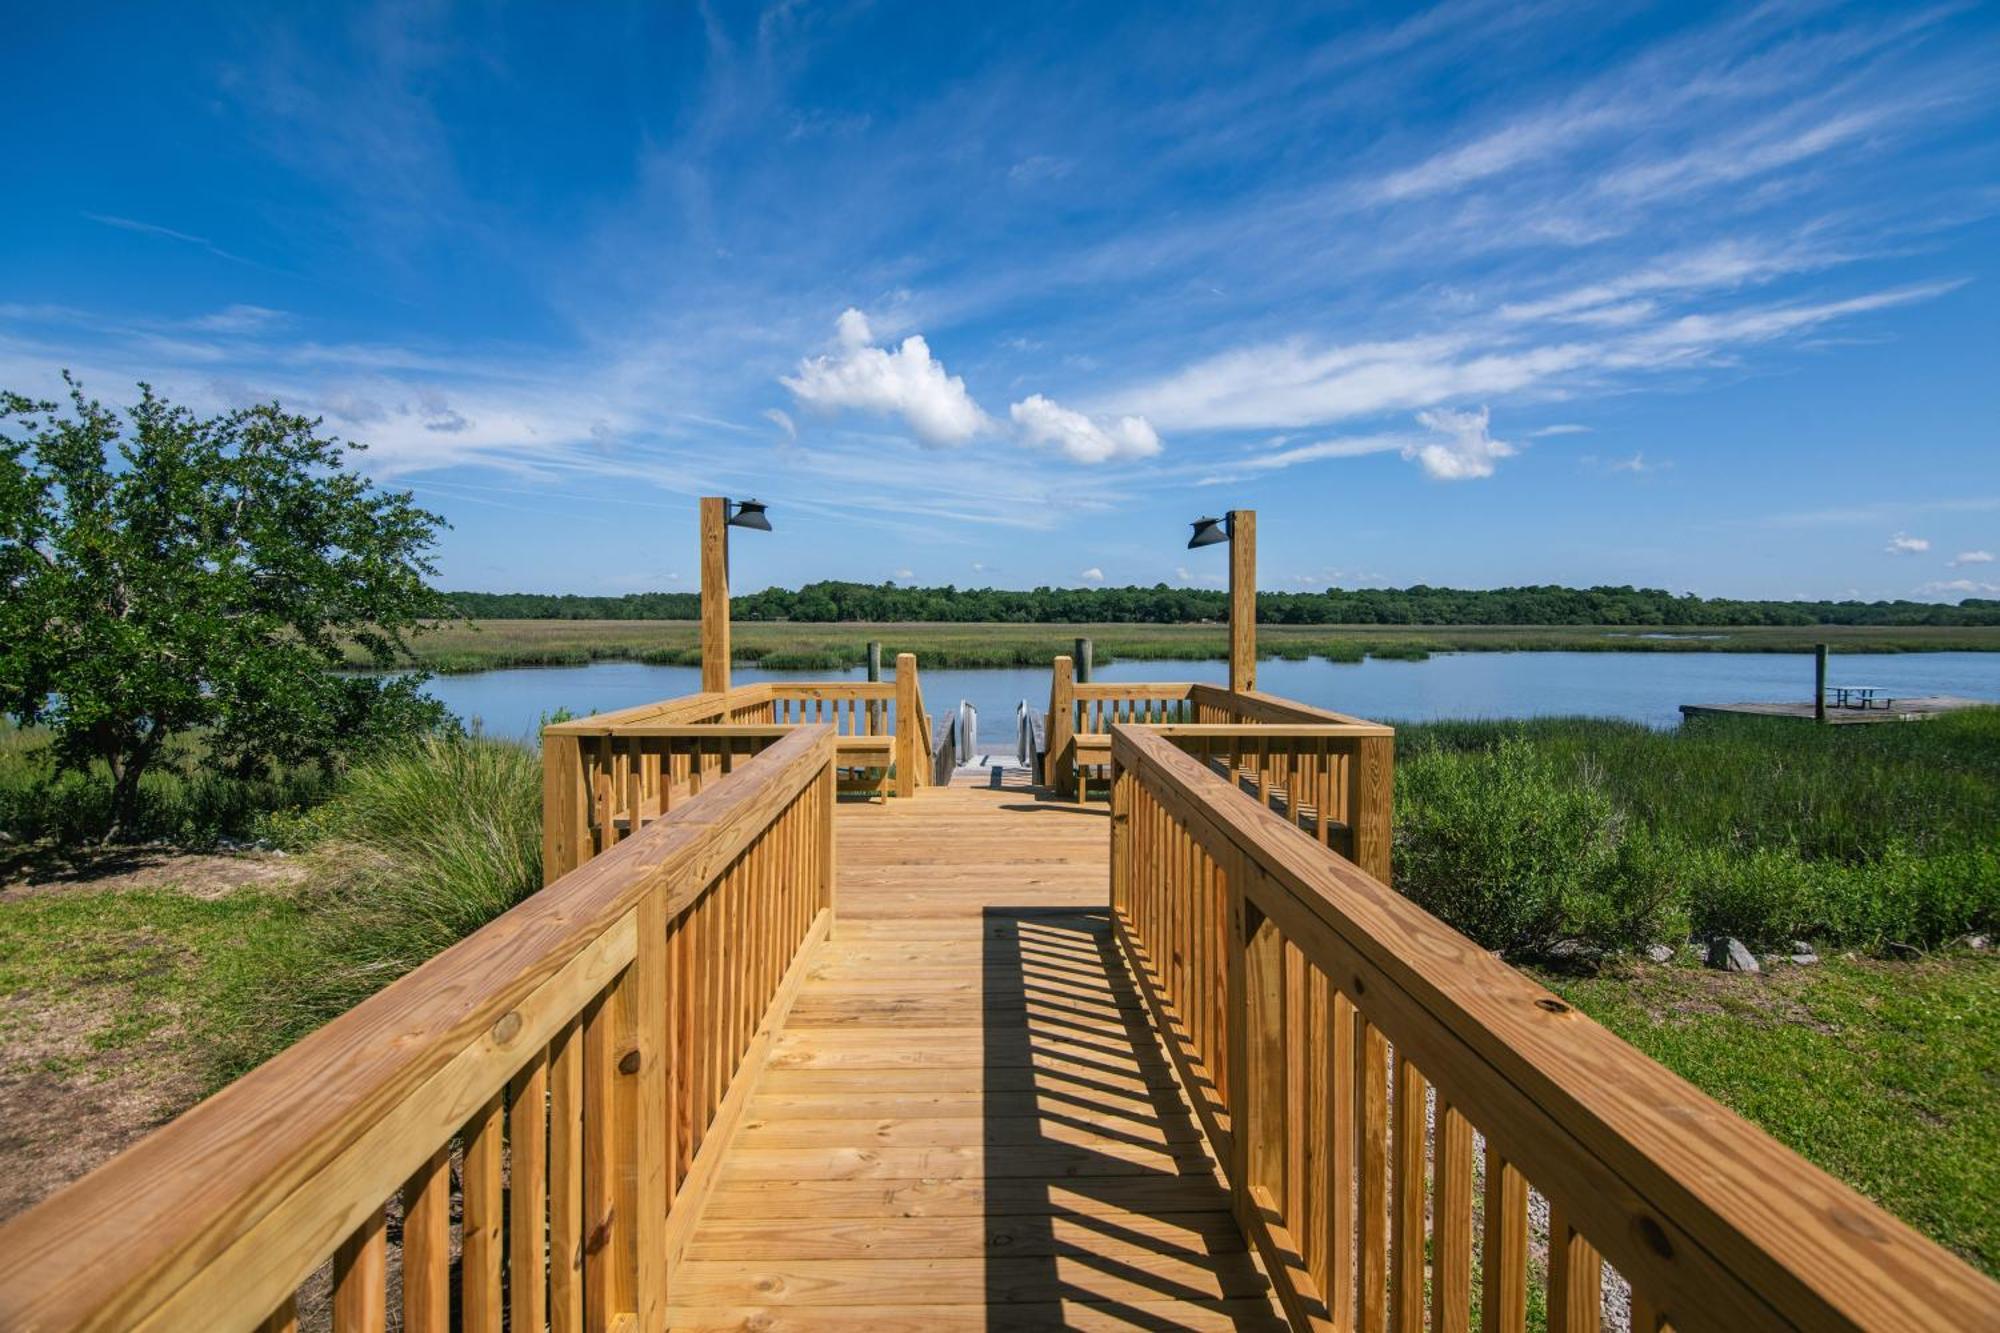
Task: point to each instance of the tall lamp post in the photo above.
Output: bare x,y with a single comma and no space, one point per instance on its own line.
718,515
1239,529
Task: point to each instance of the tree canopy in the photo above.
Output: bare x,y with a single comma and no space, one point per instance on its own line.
166,574
1163,604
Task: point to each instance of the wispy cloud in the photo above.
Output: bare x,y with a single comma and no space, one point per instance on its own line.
1904,544
1092,575
169,234
1971,558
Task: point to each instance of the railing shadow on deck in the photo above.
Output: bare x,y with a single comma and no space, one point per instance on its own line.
1100,1189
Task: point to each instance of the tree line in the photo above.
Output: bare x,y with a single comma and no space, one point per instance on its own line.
1161,604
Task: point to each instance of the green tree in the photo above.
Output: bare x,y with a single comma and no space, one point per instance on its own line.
168,574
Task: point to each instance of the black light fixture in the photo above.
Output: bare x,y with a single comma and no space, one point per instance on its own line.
1207,532
749,514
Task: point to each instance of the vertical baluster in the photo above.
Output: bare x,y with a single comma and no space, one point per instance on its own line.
1371,1077
1314,1227
427,1246
649,1138
483,1231
527,1195
607,1282
1451,1223
1406,1242
1503,1262
1297,1047
1576,1275
361,1279
566,1180
1338,1060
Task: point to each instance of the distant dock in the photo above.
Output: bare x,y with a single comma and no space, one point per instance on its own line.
1917,708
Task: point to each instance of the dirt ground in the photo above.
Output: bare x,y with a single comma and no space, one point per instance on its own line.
65,1104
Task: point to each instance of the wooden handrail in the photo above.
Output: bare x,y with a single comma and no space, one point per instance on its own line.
611,1024
1291,984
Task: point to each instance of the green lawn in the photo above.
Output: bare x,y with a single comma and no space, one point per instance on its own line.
1886,1074
155,972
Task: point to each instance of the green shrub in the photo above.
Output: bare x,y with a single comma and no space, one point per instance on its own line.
182,800
1506,845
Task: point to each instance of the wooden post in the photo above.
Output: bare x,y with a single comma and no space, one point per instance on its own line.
1371,803
874,659
1819,682
1060,773
1242,600
909,727
565,808
1083,661
714,594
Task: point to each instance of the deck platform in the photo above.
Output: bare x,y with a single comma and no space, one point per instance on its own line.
1917,708
967,1120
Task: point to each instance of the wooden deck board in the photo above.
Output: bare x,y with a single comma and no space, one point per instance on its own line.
967,1120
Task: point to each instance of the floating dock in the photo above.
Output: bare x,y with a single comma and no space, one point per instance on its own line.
1917,708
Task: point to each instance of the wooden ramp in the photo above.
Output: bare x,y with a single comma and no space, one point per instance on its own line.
967,1120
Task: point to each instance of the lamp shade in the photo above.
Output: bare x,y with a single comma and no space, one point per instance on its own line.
750,514
1207,532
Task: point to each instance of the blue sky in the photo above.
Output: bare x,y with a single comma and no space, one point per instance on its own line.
1705,298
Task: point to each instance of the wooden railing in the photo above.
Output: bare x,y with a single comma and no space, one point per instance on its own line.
1347,1054
1330,774
605,777
563,1082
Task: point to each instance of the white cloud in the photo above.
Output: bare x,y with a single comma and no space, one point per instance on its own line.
1467,452
1295,383
782,419
1972,558
906,382
1561,428
1092,575
1904,544
239,319
905,574
1635,464
1048,424
1969,587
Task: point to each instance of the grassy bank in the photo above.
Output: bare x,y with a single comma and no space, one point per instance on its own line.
1527,834
794,646
1879,1073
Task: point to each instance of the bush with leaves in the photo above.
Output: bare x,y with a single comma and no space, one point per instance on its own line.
163,574
1520,851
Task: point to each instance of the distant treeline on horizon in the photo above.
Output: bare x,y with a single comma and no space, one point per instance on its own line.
834,602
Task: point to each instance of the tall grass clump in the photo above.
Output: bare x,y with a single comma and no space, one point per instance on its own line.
417,849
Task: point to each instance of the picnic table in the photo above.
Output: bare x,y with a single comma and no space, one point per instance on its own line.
1859,696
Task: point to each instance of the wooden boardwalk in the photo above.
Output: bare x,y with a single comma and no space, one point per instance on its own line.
1916,708
967,1119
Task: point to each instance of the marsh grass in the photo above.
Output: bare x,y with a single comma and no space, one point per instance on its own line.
1767,829
783,645
417,849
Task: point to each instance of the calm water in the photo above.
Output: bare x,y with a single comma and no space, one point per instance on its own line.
1644,687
